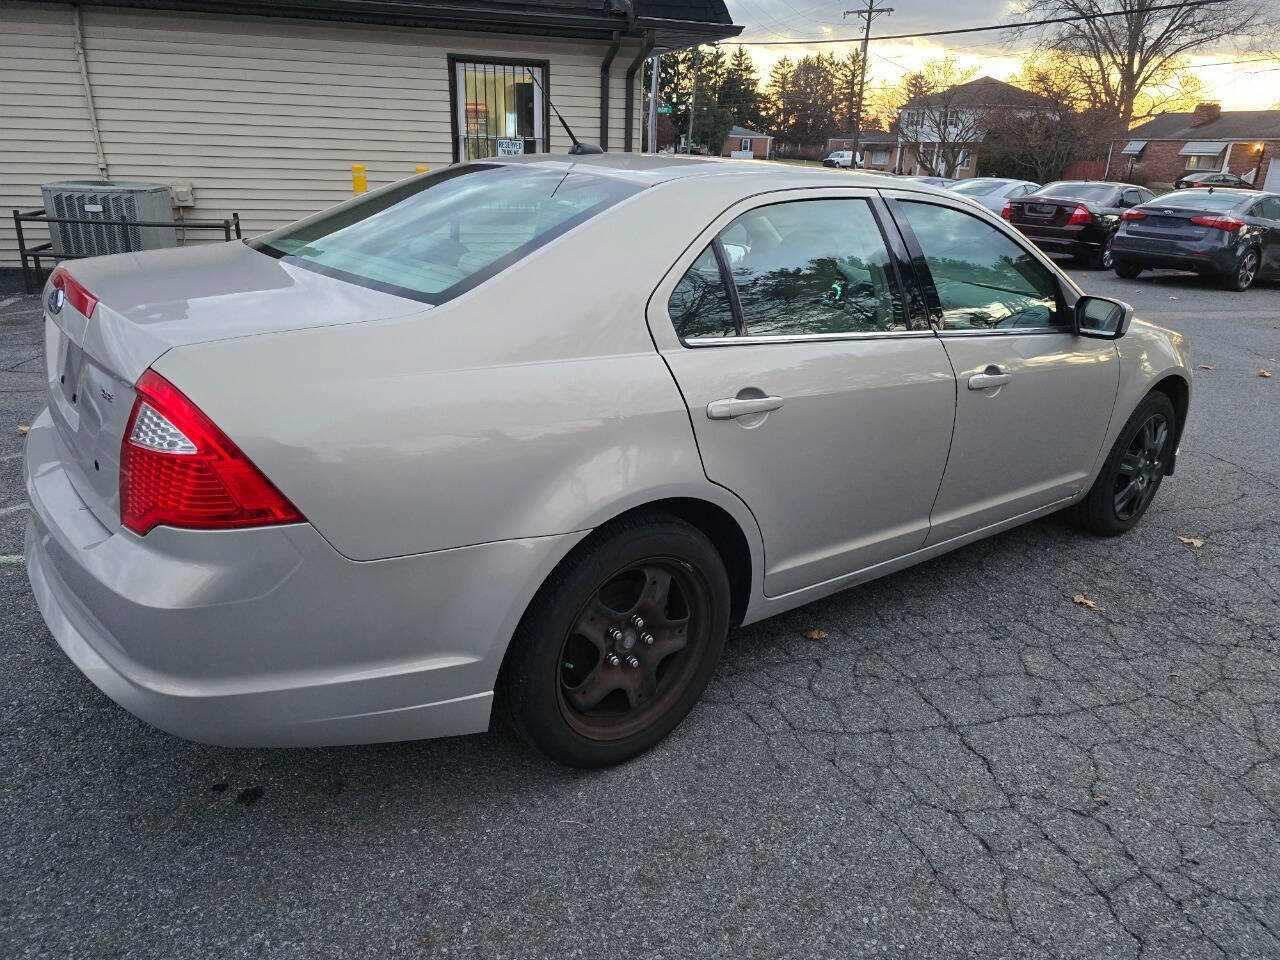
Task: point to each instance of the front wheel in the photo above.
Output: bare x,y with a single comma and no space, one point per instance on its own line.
1133,470
1245,272
619,643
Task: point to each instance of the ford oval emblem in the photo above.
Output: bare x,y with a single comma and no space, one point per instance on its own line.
56,299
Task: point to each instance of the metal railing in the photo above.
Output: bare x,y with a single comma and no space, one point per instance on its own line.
32,257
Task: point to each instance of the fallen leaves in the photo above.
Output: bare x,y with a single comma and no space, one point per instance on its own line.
1264,373
23,429
1206,366
815,634
1192,542
1080,600
1172,297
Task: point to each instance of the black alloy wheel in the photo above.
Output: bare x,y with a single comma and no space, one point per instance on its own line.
1133,470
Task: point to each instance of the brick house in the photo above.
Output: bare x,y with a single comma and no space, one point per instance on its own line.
879,149
1243,142
742,141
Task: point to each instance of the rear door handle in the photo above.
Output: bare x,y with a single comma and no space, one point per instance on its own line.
993,376
735,407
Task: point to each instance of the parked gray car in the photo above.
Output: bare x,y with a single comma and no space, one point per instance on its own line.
993,192
545,429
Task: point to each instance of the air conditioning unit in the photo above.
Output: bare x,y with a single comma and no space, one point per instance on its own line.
108,200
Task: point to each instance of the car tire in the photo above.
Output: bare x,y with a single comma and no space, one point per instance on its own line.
588,700
1102,259
1127,271
1132,472
1244,273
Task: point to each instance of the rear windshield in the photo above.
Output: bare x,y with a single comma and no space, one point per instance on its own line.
434,237
976,188
1078,191
1217,202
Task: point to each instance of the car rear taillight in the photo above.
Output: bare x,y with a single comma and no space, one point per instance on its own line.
1133,215
178,469
1004,211
76,295
1218,223
1080,215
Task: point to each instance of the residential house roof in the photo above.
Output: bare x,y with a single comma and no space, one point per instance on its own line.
982,92
1229,125
674,24
737,131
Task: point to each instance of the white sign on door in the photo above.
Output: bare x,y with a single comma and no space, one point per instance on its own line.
510,148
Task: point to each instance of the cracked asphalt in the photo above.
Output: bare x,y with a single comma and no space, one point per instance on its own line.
967,765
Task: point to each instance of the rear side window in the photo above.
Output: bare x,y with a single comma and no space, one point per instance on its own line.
805,267
435,237
984,280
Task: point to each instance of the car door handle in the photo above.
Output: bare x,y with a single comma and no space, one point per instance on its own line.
735,407
993,376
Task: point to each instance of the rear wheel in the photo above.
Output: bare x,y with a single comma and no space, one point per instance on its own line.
1245,272
620,642
1102,259
1133,470
1127,271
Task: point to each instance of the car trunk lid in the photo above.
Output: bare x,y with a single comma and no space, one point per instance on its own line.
149,303
1167,224
1042,211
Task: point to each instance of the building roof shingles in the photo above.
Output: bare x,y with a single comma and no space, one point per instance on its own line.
1230,125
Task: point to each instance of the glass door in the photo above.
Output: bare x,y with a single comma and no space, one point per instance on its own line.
499,109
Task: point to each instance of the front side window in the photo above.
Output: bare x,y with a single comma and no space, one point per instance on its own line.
984,280
804,267
432,238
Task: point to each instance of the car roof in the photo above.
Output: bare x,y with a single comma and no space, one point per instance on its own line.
647,169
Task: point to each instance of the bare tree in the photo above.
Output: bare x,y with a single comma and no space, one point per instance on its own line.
937,121
1134,63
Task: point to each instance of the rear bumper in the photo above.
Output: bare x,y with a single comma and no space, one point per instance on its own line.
1076,244
269,637
1173,256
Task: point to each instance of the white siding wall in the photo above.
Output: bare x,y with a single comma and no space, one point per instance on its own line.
263,116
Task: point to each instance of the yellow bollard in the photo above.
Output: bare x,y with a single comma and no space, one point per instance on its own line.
421,168
359,182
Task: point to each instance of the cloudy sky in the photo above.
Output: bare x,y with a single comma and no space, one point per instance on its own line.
1239,86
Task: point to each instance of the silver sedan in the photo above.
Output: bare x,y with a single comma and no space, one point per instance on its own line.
543,431
992,192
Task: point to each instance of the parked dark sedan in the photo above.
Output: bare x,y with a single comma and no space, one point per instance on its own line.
1076,217
1211,178
1231,234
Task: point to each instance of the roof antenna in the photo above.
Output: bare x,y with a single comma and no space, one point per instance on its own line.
579,148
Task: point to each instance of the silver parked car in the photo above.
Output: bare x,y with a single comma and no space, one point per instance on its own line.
544,429
992,192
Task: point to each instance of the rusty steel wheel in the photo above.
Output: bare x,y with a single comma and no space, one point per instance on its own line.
620,642
631,649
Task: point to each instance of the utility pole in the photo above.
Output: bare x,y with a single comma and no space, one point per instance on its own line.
866,15
693,101
654,65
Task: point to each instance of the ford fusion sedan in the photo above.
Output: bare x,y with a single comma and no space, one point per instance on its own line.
1075,217
1233,235
541,431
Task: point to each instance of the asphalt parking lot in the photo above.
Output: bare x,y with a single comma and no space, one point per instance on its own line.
968,765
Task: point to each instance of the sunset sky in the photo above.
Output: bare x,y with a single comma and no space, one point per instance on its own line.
1237,85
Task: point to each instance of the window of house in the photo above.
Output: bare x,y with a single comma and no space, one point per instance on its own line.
745,144
1204,161
879,156
963,163
984,280
498,107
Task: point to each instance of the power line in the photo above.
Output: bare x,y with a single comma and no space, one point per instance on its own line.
983,29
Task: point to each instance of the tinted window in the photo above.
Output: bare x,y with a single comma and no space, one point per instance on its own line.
977,188
1268,209
812,266
699,305
1217,202
984,280
1078,191
433,237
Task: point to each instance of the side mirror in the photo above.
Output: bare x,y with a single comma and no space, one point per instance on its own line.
1102,318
